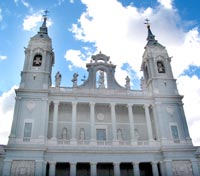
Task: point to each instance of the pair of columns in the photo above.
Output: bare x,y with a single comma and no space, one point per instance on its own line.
92,121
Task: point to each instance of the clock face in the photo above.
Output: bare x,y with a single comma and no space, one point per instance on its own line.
100,116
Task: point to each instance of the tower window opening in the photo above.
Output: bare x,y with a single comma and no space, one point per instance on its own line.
37,61
160,67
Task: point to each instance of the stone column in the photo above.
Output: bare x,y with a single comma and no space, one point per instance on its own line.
39,168
7,167
136,169
168,168
155,168
74,114
43,123
72,169
92,123
148,121
116,169
156,122
113,117
55,120
52,169
132,128
195,167
93,169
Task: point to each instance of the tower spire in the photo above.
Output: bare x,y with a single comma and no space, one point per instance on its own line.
43,28
150,38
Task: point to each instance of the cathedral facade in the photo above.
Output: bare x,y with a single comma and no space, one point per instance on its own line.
99,128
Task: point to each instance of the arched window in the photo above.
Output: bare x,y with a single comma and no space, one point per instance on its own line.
160,67
37,61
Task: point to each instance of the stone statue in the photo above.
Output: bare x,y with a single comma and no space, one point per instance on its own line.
127,85
101,80
119,135
58,79
137,135
64,134
161,68
142,83
74,80
82,134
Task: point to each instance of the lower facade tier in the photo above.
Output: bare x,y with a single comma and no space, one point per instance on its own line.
100,161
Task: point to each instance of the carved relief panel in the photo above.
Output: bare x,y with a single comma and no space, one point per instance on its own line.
23,168
182,168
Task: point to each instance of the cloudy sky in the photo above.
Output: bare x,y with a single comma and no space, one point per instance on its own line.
80,28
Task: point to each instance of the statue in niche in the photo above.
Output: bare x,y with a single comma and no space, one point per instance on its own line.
137,134
58,79
119,135
127,85
64,134
82,134
101,79
74,79
161,68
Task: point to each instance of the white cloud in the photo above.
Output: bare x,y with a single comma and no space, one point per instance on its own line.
3,57
119,32
166,3
26,4
7,100
32,21
190,88
76,58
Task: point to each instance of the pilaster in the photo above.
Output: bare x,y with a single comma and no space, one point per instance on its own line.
74,116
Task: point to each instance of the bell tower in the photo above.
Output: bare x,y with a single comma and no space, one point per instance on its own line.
156,67
160,83
32,96
39,59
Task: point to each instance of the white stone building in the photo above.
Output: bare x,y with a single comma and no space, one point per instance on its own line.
98,128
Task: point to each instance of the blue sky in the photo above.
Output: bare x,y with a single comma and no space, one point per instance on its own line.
80,28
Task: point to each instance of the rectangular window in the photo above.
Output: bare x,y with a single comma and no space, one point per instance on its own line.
101,134
27,131
175,134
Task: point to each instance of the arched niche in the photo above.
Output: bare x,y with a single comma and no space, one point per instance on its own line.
101,79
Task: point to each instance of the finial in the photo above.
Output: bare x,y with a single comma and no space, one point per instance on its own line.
45,13
147,22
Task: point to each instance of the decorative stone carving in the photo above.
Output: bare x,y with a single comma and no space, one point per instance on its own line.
101,80
74,79
82,134
170,110
64,134
23,168
127,85
58,79
119,135
30,106
182,168
100,117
